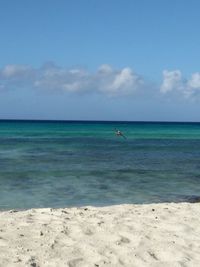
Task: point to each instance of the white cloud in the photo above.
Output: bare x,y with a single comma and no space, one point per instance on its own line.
72,87
194,82
124,82
11,71
105,69
124,79
172,80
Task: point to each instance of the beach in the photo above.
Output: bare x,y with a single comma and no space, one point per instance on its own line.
166,234
74,194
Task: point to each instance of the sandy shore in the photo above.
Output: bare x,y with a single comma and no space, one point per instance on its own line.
125,235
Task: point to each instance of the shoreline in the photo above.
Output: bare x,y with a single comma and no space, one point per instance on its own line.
163,234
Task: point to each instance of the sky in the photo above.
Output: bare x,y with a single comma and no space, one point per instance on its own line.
135,60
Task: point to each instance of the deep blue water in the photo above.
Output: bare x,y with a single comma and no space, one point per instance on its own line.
59,164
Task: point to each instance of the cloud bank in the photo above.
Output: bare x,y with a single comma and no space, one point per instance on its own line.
106,80
174,82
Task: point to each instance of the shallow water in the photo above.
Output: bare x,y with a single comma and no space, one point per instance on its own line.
58,164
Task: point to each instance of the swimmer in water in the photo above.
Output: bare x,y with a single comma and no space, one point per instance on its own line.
119,133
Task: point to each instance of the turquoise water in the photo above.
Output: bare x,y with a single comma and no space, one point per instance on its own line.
58,164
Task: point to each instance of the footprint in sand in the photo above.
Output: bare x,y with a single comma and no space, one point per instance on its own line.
29,218
88,231
74,262
65,231
124,240
152,255
32,262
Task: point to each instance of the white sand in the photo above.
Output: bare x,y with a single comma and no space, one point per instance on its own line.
125,235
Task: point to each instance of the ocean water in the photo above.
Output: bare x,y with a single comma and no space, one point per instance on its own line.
63,164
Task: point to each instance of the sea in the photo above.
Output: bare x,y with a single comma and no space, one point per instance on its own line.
78,163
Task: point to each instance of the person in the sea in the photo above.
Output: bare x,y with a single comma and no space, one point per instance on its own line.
119,133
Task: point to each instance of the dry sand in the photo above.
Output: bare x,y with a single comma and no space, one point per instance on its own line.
124,235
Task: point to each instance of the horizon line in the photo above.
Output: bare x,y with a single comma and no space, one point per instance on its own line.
100,121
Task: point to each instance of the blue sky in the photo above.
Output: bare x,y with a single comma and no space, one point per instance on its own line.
104,60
